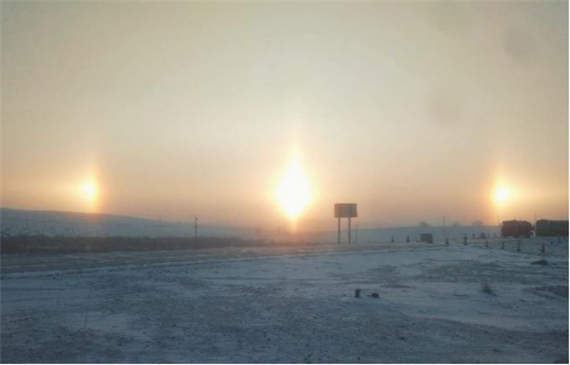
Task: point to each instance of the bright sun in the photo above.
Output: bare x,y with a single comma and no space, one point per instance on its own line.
89,190
501,194
294,191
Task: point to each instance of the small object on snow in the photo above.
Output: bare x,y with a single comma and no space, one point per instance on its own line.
542,262
446,241
519,245
357,293
486,243
486,288
426,237
375,295
543,249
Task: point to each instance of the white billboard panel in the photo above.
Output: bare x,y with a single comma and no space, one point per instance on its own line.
345,210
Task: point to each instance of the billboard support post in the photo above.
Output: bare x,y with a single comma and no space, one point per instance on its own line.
338,235
349,238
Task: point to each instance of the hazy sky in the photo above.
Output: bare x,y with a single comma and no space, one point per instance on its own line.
413,110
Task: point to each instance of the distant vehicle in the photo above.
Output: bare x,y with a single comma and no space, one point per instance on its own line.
516,229
545,228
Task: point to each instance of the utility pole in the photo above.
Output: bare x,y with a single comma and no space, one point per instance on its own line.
348,229
498,218
356,234
338,234
195,227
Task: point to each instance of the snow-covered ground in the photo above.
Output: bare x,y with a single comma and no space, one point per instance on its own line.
290,304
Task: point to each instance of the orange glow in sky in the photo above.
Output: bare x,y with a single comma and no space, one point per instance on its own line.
294,190
90,194
501,195
157,123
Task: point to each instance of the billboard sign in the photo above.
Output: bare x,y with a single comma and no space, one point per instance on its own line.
345,210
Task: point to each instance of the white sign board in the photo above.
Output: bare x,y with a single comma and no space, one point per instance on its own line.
345,210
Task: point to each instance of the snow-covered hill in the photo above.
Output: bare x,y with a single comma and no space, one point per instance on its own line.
50,223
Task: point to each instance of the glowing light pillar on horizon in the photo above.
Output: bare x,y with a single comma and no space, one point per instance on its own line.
500,196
